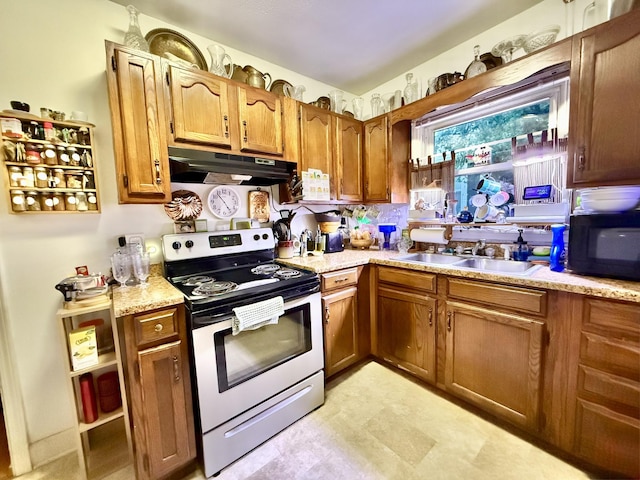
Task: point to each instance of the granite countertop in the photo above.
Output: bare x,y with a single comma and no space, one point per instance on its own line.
541,278
158,293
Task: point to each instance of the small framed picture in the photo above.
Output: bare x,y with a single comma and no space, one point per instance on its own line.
185,226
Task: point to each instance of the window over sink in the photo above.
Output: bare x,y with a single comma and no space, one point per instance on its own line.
511,136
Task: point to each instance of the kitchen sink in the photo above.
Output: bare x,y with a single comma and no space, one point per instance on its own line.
423,257
474,263
501,266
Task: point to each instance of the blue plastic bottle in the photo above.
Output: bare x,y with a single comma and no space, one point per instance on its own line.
557,255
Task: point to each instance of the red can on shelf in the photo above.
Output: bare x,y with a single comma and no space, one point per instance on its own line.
109,392
88,396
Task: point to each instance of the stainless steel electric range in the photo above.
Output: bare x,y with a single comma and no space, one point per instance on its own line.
250,381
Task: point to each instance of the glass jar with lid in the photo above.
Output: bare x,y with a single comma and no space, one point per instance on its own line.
18,203
81,201
58,202
42,177
63,156
46,202
32,201
15,176
74,156
92,201
59,179
50,154
70,203
73,179
28,178
32,154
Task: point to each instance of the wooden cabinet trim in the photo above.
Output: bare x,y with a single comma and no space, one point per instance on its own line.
504,296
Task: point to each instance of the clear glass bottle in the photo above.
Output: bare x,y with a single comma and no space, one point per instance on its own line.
476,67
134,38
411,90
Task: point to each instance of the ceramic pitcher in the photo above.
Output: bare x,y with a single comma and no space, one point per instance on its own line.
255,78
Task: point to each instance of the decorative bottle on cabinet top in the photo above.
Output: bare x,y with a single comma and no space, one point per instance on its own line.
476,67
134,38
411,90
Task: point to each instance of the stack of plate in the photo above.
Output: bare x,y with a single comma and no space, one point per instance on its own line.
610,199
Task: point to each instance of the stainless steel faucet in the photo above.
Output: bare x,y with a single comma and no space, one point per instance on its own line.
478,247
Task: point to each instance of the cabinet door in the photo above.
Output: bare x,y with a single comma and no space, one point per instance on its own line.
260,121
340,329
165,404
605,128
407,331
348,169
376,166
200,107
494,360
138,118
316,141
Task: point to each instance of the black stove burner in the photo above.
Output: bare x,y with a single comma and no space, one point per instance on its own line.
196,280
210,289
265,269
287,273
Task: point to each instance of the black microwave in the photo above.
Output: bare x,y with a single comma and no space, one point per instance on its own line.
605,245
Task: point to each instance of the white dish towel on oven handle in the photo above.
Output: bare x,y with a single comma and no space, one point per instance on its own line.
252,317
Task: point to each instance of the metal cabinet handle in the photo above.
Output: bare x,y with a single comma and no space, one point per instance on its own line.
176,369
449,315
244,124
430,316
158,328
226,126
581,158
338,280
326,315
156,163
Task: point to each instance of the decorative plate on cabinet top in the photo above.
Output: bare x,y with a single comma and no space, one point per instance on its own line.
163,40
185,205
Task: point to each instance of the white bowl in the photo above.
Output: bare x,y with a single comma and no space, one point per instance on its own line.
608,205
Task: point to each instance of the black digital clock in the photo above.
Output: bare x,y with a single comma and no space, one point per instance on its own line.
538,192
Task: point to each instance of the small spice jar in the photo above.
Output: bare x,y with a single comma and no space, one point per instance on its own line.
58,202
74,156
18,203
73,180
60,181
28,178
89,182
92,200
49,154
32,201
15,176
63,156
32,154
81,201
42,177
70,202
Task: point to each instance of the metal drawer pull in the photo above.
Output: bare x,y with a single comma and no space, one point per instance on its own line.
176,369
226,126
338,280
449,315
158,327
326,315
430,316
157,166
244,124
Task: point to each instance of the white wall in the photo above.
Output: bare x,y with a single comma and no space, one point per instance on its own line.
52,55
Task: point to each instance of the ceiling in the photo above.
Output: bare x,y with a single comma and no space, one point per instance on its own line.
354,45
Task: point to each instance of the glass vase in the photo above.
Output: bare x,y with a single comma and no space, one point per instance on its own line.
411,90
134,38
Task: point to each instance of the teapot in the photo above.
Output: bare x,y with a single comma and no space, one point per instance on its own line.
255,78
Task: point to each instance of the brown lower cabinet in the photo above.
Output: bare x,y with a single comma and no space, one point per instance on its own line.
564,367
157,372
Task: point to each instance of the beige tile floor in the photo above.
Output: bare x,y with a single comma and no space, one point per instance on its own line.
378,424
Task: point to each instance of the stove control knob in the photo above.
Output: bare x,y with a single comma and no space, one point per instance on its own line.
188,243
265,236
256,237
176,245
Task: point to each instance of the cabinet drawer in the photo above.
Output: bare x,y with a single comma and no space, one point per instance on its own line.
624,317
156,327
619,356
339,279
407,278
514,298
608,387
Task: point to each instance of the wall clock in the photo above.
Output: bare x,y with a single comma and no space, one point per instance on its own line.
223,201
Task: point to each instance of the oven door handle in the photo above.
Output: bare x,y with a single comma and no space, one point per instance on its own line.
206,320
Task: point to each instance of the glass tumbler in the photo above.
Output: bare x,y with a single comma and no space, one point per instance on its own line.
121,267
141,262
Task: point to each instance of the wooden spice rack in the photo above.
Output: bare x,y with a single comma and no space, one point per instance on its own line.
24,196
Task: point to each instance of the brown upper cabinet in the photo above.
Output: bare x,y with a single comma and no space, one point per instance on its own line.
138,119
348,160
604,135
317,141
260,121
376,162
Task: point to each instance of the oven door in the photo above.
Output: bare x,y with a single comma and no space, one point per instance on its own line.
236,373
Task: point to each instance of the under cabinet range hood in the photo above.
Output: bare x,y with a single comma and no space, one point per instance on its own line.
199,166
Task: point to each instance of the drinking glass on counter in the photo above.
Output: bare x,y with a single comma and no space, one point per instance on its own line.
141,262
121,266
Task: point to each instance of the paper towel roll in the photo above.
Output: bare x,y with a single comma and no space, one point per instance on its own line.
429,235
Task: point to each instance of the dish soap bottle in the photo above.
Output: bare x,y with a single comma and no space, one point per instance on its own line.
521,253
557,254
